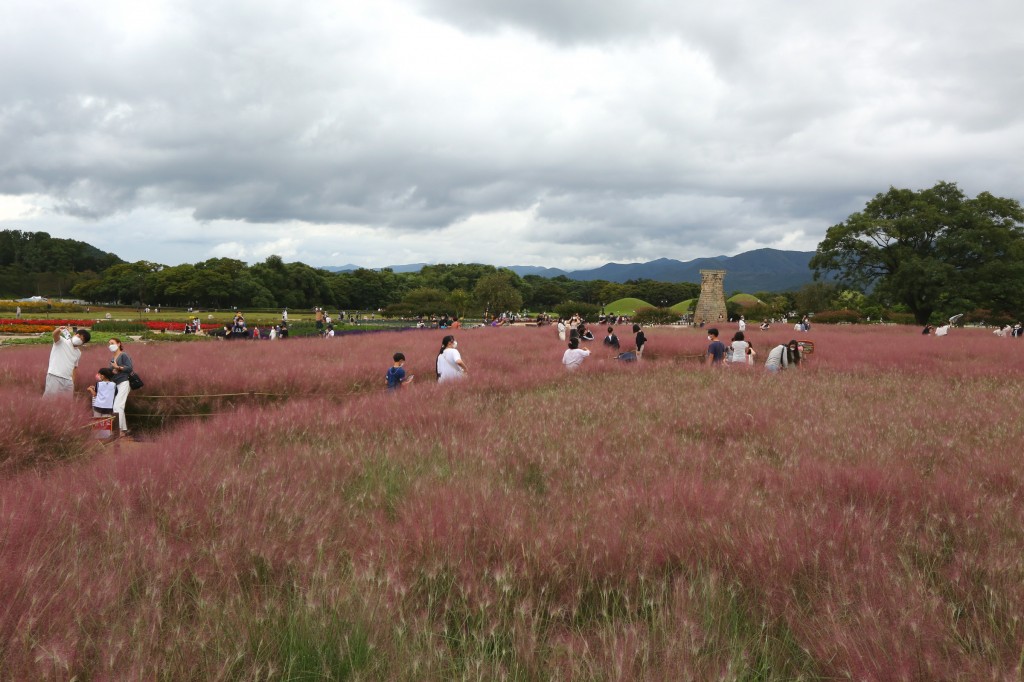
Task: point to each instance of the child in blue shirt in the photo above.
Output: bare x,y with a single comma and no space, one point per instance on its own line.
396,376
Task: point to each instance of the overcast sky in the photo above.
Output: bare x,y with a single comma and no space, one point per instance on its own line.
513,132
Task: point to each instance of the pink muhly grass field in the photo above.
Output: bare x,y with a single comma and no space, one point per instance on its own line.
859,518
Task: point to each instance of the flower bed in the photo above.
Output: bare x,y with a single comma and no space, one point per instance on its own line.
48,323
160,325
24,329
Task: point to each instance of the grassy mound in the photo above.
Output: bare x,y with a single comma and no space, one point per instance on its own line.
684,307
746,300
626,306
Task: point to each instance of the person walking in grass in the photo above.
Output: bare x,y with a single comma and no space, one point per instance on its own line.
396,376
573,356
716,349
738,350
450,365
122,366
641,341
64,356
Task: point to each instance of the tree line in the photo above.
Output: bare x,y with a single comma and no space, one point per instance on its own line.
465,288
923,254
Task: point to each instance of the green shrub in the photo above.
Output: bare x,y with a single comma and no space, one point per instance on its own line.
656,316
177,338
588,311
897,318
837,316
122,326
303,329
983,316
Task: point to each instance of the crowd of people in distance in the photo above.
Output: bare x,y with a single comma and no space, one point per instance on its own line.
738,352
1006,331
435,322
238,329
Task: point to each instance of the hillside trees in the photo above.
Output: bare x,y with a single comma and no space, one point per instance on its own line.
36,263
498,292
295,285
371,289
931,250
544,293
450,277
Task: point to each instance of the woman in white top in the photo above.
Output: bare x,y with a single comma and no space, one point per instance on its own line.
738,349
574,355
449,361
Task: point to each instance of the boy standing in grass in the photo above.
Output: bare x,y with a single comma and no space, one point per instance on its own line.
716,349
396,373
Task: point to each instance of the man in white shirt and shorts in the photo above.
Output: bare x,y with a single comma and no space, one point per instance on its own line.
64,357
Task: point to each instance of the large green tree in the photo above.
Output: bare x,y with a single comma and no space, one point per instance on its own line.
498,292
930,249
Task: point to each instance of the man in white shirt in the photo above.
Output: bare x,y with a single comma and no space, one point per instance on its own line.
573,356
64,357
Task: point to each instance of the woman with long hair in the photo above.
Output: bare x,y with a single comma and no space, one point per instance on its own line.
738,349
450,365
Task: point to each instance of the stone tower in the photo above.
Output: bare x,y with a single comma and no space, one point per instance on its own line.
711,304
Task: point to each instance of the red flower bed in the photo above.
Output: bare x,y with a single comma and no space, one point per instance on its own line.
159,325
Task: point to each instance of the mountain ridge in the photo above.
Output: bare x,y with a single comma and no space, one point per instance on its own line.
757,270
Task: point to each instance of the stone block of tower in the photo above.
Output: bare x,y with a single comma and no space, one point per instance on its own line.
711,304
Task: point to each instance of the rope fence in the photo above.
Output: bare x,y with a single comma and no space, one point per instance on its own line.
222,395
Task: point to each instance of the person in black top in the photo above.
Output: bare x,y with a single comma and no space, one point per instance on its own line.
612,340
641,340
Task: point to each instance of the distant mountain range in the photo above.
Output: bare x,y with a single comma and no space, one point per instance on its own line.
758,270
409,267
